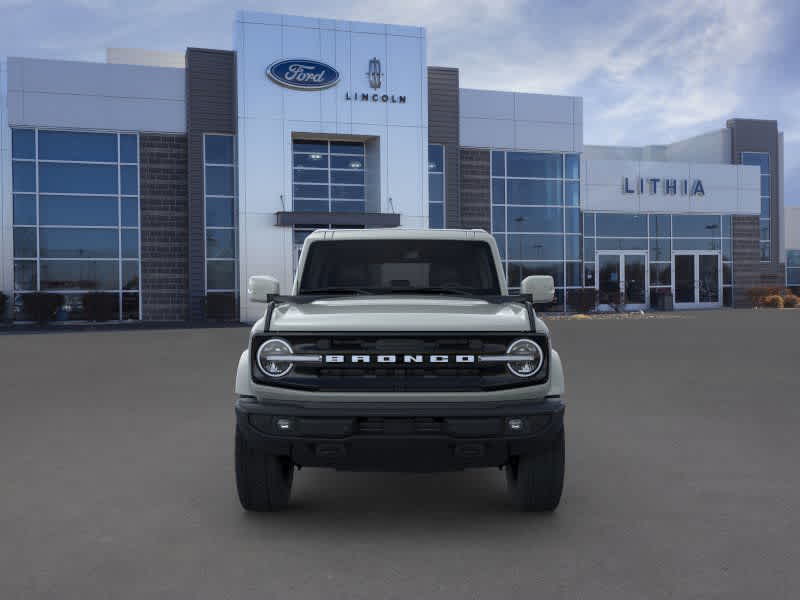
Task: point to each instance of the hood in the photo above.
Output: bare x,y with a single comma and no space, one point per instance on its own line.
399,313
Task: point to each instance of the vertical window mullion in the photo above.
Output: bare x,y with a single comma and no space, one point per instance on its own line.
36,188
119,231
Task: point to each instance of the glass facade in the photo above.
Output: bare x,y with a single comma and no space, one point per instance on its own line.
328,176
536,217
660,235
219,158
761,160
76,219
793,268
436,186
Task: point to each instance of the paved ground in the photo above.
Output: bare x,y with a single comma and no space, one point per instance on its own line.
682,481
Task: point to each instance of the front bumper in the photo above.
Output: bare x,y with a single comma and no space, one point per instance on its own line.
408,436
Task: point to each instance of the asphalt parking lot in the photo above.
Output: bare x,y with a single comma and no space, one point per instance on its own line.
683,444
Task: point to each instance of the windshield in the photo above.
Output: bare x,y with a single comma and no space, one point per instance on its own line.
400,266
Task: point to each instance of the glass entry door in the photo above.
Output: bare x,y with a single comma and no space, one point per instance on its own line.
697,279
622,280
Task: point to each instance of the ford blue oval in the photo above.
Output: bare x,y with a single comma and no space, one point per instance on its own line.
303,74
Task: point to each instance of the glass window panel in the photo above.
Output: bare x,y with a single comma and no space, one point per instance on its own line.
24,209
517,271
572,245
727,273
727,226
347,148
501,244
572,274
435,158
23,176
347,192
130,274
588,249
219,181
522,191
498,163
129,183
130,212
621,244
573,166
56,242
300,235
588,224
315,160
348,206
572,191
130,307
219,212
793,258
77,210
660,226
536,219
759,159
310,146
311,175
23,143
78,146
727,249
25,242
77,179
343,162
793,277
498,218
572,220
765,185
588,274
660,249
765,208
128,148
220,243
436,215
130,243
220,275
358,177
727,297
695,244
311,205
25,275
436,187
310,191
763,229
219,149
498,191
766,251
623,225
535,247
696,225
79,275
660,274
532,164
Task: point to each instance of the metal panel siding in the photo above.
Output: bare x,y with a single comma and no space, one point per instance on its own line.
475,184
443,128
210,108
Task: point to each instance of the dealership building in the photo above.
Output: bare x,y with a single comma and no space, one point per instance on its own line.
166,180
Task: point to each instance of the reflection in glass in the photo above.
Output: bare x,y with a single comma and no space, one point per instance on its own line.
219,149
24,209
67,178
77,146
25,275
77,210
220,243
532,191
221,275
531,164
219,212
25,242
56,242
80,275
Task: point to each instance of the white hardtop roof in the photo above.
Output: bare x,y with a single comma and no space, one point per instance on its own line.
399,234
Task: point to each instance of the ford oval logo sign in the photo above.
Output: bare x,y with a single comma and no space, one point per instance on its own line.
303,74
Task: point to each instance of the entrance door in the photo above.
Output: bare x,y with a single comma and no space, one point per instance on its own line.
622,280
697,279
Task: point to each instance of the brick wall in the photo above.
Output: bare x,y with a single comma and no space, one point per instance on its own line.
475,197
165,227
748,270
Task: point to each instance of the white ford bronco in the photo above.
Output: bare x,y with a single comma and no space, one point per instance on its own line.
400,350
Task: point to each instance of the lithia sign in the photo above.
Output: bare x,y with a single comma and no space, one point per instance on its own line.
667,186
306,74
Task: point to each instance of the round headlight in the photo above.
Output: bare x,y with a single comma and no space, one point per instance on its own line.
530,359
267,357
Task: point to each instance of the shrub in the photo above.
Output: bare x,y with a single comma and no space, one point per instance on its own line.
773,301
3,306
99,306
41,306
758,295
790,301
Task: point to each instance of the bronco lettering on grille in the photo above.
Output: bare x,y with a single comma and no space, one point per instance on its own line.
398,358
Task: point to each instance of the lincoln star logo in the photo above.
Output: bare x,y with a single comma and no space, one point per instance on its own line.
374,74
302,74
398,358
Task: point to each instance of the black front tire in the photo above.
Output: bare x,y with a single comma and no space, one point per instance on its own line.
263,481
535,480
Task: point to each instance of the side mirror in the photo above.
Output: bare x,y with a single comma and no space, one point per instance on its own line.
540,287
261,287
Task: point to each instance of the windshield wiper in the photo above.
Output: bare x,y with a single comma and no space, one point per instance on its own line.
434,290
337,290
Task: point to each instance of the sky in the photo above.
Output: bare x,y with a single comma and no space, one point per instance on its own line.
649,72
